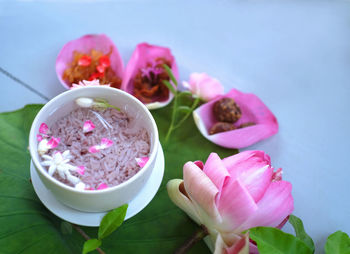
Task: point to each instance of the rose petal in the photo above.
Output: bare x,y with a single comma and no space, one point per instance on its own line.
43,129
142,161
80,170
273,208
105,143
88,126
253,110
102,186
94,149
143,54
53,142
201,189
39,137
85,44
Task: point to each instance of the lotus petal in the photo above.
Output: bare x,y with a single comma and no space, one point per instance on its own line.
102,186
142,161
88,126
43,129
144,54
253,111
85,44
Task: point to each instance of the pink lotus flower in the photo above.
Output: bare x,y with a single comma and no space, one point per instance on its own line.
253,110
204,86
105,143
85,44
141,57
232,195
88,126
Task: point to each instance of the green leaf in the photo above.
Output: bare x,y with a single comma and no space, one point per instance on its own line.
28,227
169,86
111,221
91,244
300,231
184,109
274,241
66,228
337,243
170,73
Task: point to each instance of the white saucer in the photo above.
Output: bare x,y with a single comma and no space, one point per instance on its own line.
93,219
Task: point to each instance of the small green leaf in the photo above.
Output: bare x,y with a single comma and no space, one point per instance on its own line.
91,244
300,231
169,86
66,228
338,243
170,73
111,221
274,241
184,109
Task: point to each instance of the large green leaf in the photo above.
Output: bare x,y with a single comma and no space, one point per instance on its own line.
338,243
26,226
274,241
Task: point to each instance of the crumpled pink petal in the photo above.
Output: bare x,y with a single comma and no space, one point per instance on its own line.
142,161
88,126
39,137
85,44
253,110
105,143
102,186
80,170
43,129
53,142
204,86
143,54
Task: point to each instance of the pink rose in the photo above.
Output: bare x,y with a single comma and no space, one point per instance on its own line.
232,195
204,86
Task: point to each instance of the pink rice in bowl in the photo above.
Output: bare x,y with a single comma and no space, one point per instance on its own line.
109,166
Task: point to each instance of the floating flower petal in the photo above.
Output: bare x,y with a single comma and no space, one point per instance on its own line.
105,143
45,145
94,149
88,126
85,44
253,111
144,55
102,186
142,161
39,137
80,170
53,142
43,129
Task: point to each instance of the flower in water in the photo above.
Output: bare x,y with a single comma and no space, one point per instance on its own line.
88,126
232,195
142,161
203,86
105,143
102,186
85,83
45,145
58,162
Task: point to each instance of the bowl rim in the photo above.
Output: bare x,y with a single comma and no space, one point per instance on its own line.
55,100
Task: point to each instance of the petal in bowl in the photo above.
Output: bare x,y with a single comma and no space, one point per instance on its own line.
144,74
253,110
85,45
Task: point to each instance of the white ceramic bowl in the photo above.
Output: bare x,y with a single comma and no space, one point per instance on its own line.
94,200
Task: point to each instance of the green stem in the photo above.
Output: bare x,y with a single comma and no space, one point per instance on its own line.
194,105
196,237
172,118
